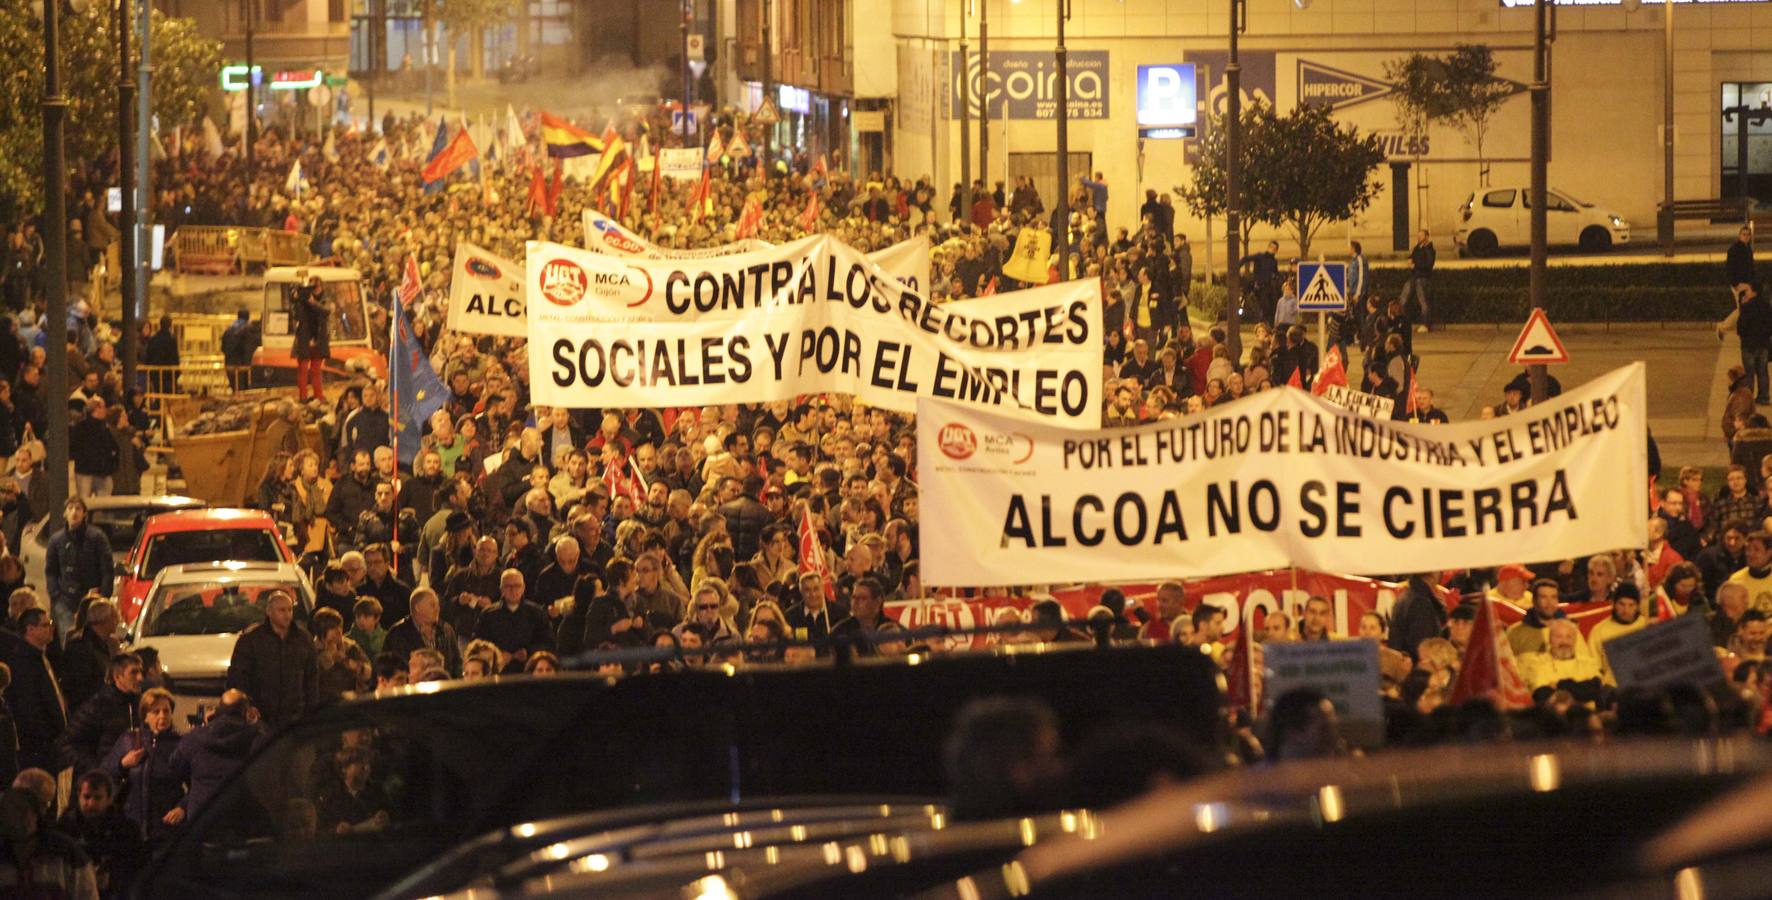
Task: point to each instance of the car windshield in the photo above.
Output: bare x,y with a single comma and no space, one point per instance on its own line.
210,607
122,524
176,548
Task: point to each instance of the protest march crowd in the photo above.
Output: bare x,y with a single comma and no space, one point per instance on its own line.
506,537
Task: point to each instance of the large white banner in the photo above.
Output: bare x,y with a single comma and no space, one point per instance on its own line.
815,315
908,261
1279,479
486,294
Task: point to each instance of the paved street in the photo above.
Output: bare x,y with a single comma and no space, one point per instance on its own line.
1466,367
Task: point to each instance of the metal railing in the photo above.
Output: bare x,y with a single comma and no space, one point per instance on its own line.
226,249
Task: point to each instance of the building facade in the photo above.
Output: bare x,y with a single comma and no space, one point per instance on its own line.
1606,98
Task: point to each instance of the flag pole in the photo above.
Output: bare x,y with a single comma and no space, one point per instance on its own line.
394,427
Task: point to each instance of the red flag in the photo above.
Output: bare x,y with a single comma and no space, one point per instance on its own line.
657,181
1240,679
1409,402
750,218
809,216
456,154
1489,669
812,554
411,284
1333,373
989,288
627,188
622,482
538,193
821,169
1293,379
699,199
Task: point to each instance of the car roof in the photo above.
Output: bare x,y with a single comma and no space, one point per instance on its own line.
132,501
211,519
191,573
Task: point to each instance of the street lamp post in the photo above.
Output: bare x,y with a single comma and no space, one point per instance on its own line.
984,93
768,89
251,99
1666,223
688,12
965,119
1061,233
144,118
126,256
1540,91
55,238
1233,226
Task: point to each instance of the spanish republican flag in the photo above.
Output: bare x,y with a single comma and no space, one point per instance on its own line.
566,140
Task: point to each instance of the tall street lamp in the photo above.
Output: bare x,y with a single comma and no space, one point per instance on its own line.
1061,234
1540,91
127,252
55,239
1233,189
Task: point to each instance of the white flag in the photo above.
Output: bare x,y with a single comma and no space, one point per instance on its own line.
212,141
515,140
378,155
296,182
330,149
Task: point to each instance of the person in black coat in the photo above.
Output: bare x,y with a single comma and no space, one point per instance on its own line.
85,663
34,695
424,630
745,518
516,626
108,837
310,315
162,350
95,453
275,663
1417,616
95,726
212,752
615,617
78,558
141,763
1753,324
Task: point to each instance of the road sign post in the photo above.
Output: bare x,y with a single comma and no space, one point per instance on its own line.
1322,289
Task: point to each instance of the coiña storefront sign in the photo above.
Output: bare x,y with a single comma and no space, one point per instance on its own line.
1023,84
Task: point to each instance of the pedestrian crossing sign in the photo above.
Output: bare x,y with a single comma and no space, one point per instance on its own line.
1322,287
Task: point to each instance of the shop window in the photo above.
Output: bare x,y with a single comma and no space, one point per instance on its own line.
1746,147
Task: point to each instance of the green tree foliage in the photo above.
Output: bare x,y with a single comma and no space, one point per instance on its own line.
1459,89
186,68
1300,171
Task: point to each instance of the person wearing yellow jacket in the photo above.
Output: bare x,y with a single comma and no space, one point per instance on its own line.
1565,663
1627,617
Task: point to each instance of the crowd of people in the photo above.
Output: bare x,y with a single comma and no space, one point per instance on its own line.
519,537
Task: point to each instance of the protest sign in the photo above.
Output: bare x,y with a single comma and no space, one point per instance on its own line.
1030,261
486,294
1677,651
1280,478
1344,671
680,163
815,315
1355,401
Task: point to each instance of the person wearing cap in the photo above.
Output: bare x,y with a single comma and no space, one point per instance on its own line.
1510,585
1459,624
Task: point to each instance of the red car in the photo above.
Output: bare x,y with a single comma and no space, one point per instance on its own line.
195,536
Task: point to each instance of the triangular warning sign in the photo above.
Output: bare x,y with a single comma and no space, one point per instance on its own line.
1538,343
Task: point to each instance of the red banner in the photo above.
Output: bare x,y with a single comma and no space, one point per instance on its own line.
1247,597
1244,598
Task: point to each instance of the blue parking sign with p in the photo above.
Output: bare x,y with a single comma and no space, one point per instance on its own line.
1322,287
1167,100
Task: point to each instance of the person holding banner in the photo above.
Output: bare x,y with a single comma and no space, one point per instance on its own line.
310,313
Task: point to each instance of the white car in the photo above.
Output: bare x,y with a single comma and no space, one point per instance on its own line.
1494,218
194,614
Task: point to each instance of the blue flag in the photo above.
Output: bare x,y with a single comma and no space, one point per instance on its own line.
414,390
437,146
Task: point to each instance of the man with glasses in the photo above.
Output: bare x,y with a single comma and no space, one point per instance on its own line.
35,696
515,625
662,606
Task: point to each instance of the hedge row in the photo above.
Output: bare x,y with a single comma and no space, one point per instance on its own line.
1642,292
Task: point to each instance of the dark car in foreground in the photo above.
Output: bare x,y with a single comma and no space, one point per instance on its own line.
1625,820
480,777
